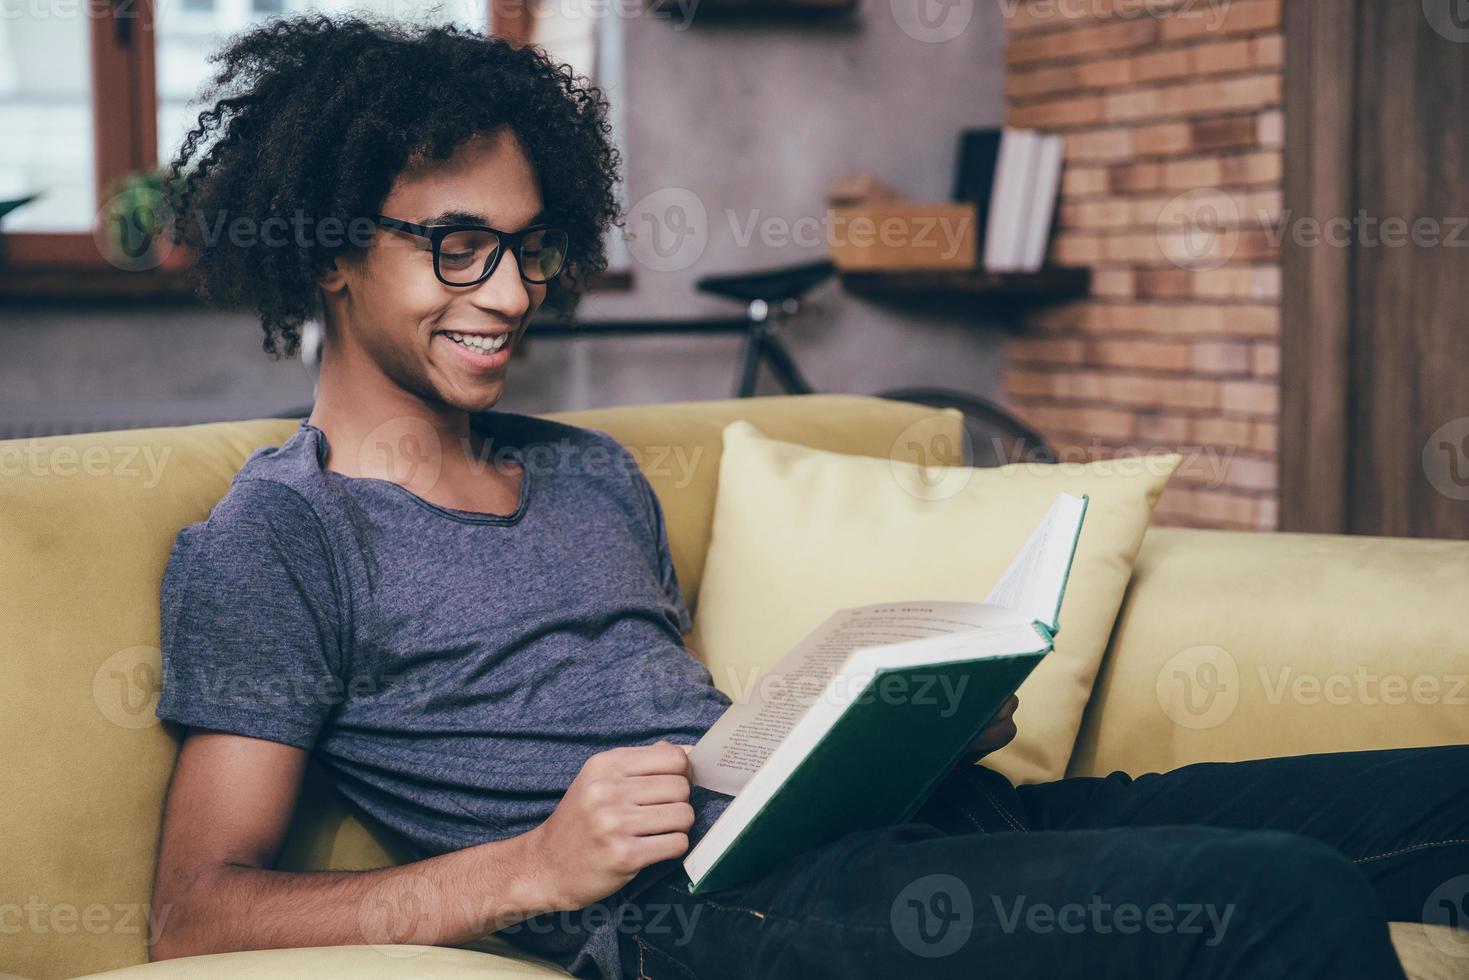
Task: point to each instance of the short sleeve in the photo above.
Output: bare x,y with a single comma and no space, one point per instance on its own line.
653,510
252,620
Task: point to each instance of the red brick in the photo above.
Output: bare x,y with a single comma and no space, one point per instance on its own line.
1251,397
1105,74
1115,283
1170,429
1163,283
1270,129
1160,139
1265,359
1222,432
1055,113
1209,20
1058,45
1099,144
1152,355
1229,133
1268,51
1080,181
1221,357
1220,58
1155,65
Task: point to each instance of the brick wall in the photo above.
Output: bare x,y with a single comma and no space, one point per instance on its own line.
1171,194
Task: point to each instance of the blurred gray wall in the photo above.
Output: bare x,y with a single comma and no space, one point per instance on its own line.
749,122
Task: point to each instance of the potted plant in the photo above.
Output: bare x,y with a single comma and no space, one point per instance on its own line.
135,223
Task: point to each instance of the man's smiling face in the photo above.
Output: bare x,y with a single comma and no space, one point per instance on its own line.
391,307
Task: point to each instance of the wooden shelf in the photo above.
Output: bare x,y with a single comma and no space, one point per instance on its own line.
87,284
1049,284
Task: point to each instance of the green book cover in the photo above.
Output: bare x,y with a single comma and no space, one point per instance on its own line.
874,757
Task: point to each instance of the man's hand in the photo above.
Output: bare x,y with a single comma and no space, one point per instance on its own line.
999,733
626,809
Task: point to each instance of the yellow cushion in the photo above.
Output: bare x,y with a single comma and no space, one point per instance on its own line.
677,447
1246,645
800,532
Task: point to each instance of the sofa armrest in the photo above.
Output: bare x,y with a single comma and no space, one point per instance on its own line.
1239,645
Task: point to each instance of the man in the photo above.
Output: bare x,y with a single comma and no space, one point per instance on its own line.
471,619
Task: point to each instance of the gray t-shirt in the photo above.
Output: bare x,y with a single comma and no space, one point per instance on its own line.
450,670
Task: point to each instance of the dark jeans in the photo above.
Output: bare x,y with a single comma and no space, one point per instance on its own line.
1286,867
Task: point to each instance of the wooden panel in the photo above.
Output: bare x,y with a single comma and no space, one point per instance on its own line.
1410,345
1315,307
1374,342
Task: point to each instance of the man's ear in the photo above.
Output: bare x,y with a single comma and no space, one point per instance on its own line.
330,278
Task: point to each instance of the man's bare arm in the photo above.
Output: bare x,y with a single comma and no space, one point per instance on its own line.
229,805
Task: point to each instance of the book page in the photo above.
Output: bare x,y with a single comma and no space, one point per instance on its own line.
747,733
1033,584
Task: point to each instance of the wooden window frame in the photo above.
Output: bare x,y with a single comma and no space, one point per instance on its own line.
125,122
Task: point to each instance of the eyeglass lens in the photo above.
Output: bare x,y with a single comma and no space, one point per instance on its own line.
465,255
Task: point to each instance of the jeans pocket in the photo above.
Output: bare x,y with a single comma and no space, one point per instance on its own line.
653,963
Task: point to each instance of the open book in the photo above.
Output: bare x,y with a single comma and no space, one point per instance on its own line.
856,726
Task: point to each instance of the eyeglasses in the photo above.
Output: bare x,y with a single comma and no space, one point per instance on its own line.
466,255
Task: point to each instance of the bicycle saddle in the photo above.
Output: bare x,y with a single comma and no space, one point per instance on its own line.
771,285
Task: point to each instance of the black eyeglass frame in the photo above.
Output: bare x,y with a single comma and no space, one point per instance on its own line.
509,240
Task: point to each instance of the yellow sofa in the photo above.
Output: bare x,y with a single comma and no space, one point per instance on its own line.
86,523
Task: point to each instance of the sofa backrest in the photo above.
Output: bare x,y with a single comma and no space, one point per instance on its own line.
86,526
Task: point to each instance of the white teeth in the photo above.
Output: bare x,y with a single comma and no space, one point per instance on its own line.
485,345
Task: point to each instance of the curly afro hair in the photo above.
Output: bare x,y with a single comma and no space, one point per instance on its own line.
315,116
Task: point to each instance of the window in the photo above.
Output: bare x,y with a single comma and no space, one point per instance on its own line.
90,93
